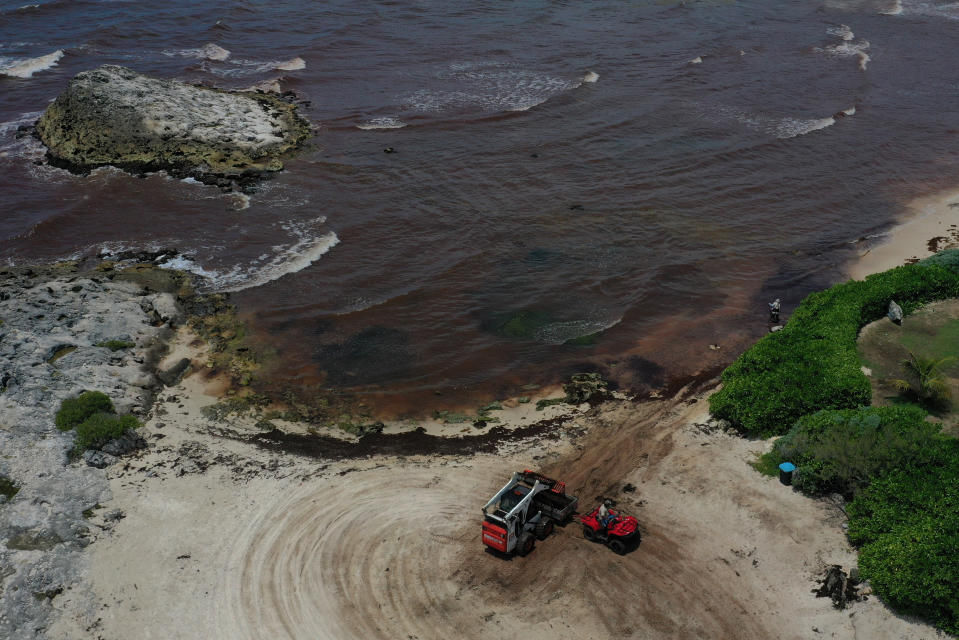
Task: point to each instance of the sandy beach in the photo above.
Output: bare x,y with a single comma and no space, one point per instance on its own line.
222,539
929,224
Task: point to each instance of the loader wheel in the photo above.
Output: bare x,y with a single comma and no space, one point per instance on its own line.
590,535
525,545
543,528
618,546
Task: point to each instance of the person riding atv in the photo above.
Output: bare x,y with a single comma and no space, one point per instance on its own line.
613,528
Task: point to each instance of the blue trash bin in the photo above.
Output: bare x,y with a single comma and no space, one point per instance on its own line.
786,472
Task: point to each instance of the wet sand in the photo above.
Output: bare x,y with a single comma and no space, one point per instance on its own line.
928,225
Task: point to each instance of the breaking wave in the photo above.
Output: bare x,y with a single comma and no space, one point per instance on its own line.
25,68
285,259
493,88
208,51
382,123
847,48
238,67
783,128
947,10
560,332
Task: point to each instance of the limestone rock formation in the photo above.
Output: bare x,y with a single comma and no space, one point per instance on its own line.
114,116
895,312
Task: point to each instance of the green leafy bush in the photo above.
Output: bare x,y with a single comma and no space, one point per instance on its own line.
908,525
101,427
812,363
840,451
73,411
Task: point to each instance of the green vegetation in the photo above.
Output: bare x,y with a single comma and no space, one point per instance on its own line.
549,402
812,363
900,470
452,417
841,451
92,415
73,411
767,464
100,428
115,345
8,488
907,524
924,380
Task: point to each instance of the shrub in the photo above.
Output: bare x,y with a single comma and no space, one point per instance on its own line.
948,259
73,411
101,427
812,363
908,525
115,345
840,451
8,487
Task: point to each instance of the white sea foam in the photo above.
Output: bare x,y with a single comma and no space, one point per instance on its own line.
492,87
851,111
239,67
284,260
696,60
267,86
792,127
848,48
895,9
24,119
779,127
208,51
843,31
949,11
25,68
241,201
294,64
382,123
560,332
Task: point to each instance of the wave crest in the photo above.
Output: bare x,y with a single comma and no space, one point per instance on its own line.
25,68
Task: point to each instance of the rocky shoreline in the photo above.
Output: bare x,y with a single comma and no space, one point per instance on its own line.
58,326
119,327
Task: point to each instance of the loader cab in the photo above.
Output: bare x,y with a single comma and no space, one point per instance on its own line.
512,498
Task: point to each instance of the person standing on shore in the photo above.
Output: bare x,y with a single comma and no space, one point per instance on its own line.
774,310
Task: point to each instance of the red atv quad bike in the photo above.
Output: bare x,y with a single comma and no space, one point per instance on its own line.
623,530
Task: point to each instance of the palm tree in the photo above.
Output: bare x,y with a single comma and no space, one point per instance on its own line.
926,381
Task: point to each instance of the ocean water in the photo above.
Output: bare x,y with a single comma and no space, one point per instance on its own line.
651,172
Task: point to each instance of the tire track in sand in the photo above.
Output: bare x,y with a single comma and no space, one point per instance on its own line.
395,553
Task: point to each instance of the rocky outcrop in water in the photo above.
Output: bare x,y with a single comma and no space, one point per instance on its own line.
115,116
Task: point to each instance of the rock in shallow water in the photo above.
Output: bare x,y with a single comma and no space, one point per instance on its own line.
115,116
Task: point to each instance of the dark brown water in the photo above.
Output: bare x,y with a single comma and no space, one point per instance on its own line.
562,169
